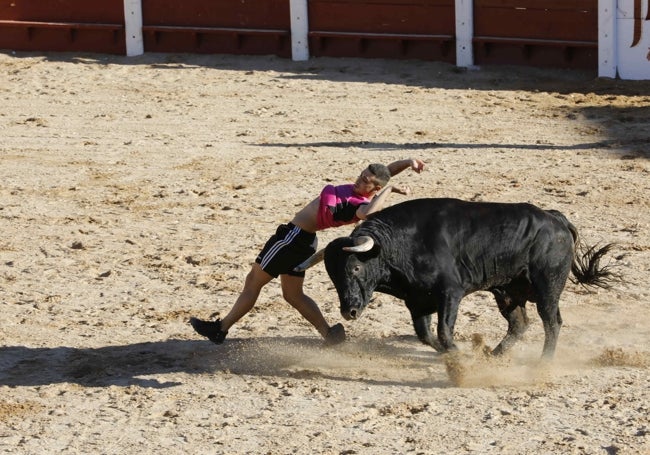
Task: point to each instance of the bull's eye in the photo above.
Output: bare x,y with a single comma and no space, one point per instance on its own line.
356,269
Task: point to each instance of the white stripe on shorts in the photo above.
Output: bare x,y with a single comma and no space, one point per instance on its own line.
268,257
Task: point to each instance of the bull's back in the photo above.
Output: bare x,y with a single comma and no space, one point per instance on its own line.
462,219
488,241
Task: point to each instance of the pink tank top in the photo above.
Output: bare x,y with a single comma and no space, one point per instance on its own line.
338,206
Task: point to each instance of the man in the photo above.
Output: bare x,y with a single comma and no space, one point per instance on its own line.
296,241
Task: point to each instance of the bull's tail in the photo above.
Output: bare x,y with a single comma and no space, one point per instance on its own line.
586,267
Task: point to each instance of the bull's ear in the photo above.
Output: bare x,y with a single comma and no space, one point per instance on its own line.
310,261
362,244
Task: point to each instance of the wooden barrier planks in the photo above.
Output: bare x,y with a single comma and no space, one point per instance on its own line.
224,26
63,25
561,33
422,29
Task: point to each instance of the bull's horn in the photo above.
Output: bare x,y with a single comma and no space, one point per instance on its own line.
361,245
310,261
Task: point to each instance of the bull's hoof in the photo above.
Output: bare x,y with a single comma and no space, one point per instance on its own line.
209,329
335,335
435,344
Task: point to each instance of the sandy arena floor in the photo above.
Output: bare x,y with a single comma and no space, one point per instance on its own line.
135,192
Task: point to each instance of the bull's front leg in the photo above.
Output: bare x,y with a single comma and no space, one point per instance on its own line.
422,326
447,313
421,310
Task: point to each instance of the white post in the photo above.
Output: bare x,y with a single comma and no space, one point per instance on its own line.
464,32
607,38
299,30
133,27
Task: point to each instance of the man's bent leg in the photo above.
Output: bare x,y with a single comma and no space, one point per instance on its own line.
255,281
216,331
292,292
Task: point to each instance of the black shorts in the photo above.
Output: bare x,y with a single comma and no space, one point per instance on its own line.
287,248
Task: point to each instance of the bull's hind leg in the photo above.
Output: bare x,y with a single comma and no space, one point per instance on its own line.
548,283
548,275
548,300
552,320
513,309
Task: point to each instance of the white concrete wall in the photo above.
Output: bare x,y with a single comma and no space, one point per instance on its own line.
633,39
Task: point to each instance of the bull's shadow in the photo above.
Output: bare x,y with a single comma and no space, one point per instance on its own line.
298,357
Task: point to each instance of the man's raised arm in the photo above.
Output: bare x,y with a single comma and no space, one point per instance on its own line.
398,166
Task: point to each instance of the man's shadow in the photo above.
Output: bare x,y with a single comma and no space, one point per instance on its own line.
139,364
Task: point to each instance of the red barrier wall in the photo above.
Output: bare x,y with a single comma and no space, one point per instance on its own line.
63,25
561,33
223,26
422,29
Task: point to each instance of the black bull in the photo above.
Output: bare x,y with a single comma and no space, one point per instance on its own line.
433,252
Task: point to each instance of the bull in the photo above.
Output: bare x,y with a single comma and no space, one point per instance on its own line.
431,253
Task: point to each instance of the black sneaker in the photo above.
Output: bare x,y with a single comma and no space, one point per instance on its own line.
335,335
209,329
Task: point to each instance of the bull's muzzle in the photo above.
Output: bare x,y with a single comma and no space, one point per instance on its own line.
352,313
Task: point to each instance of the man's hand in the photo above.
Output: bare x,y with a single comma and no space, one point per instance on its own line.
417,165
398,166
405,190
